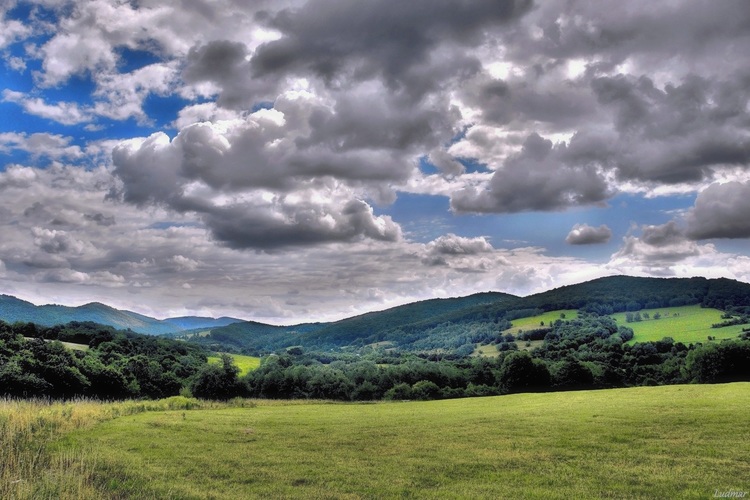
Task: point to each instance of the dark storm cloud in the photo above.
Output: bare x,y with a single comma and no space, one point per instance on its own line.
583,234
100,219
654,34
679,133
537,178
721,211
302,225
501,102
335,39
661,96
217,60
224,63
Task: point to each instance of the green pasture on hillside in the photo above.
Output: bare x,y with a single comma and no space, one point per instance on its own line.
686,324
647,442
244,363
70,345
535,322
490,350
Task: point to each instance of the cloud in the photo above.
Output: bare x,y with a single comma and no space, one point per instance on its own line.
204,112
583,234
664,235
721,211
17,176
11,29
337,40
297,224
273,178
535,179
680,133
451,244
302,120
658,250
100,219
40,144
66,113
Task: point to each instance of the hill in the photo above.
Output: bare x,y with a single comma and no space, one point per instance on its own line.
421,319
13,310
457,325
453,325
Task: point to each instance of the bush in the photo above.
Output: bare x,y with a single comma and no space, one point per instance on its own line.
425,390
399,392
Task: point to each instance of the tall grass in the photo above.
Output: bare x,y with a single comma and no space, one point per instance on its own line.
31,468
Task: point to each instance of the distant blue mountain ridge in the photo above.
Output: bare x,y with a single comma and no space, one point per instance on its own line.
13,309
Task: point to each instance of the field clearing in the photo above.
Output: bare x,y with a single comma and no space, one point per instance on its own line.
534,322
69,345
686,324
486,351
246,364
490,350
648,442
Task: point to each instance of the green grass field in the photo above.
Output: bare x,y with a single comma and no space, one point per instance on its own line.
534,322
244,363
686,324
71,345
490,350
648,442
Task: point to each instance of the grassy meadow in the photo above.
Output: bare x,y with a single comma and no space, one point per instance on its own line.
686,324
29,468
244,363
534,322
646,442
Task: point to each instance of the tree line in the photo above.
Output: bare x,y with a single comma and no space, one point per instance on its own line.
117,364
588,352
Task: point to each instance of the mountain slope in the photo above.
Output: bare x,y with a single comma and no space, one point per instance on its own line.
449,324
418,317
453,325
373,327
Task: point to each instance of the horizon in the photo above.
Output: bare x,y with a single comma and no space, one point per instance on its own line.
304,160
342,318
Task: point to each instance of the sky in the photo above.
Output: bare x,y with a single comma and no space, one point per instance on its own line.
309,160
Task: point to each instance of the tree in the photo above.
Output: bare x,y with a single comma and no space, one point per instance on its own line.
572,375
217,381
520,373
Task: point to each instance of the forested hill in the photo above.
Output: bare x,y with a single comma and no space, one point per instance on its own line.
258,338
457,324
369,328
13,310
454,324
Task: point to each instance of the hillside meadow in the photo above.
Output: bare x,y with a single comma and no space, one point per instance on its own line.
686,324
540,320
670,442
244,363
